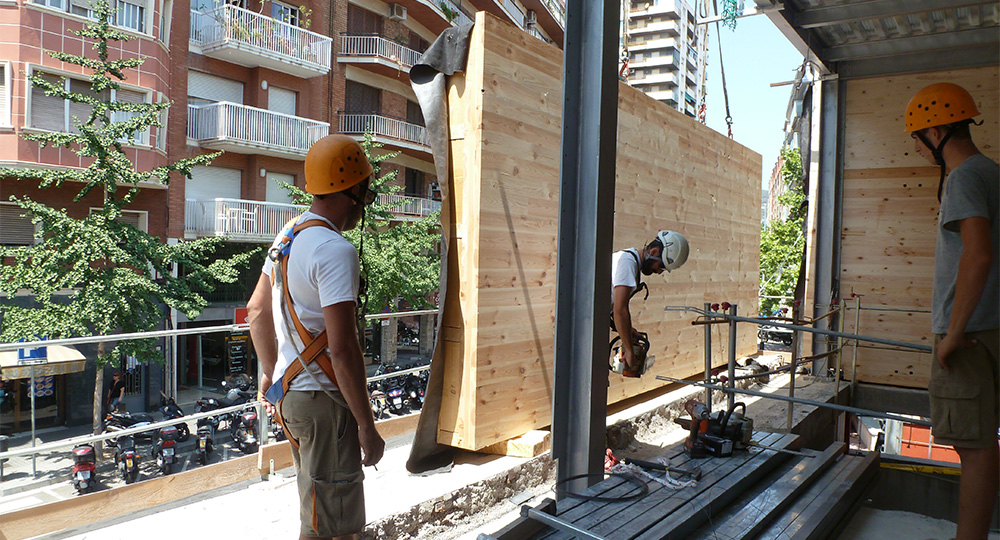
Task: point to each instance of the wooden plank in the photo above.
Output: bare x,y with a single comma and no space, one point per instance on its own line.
757,514
502,224
837,474
531,444
662,502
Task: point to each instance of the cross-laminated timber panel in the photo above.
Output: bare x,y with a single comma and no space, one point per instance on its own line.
890,217
501,215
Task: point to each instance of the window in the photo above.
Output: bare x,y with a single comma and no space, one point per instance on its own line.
362,21
5,94
136,218
53,113
129,15
362,99
418,43
166,17
15,229
413,113
284,13
414,183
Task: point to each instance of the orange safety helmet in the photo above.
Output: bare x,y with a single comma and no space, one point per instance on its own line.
335,163
939,104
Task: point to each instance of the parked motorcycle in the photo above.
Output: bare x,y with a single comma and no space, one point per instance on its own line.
235,396
120,421
276,428
84,468
378,400
165,450
243,429
206,438
170,410
127,459
415,387
396,396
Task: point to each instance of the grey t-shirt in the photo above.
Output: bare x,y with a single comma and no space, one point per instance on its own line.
970,191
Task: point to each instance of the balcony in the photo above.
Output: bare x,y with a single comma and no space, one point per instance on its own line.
247,38
377,53
237,219
550,15
667,79
667,28
405,205
410,138
249,130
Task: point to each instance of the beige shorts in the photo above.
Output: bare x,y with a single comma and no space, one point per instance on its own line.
965,407
327,463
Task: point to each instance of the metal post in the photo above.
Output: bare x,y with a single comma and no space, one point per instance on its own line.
732,358
586,207
34,469
795,360
840,433
708,359
265,424
854,361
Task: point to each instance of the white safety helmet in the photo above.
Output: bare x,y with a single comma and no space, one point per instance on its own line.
675,249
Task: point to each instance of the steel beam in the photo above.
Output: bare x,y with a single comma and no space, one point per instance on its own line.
986,54
586,222
930,42
856,11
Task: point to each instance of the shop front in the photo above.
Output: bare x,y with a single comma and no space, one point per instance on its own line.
43,377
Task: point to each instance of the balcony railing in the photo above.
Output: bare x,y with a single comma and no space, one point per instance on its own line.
534,32
383,126
557,10
248,38
513,12
239,220
243,129
374,46
407,205
461,17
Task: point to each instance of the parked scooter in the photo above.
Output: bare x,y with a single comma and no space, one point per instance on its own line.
120,421
127,459
379,402
206,438
170,410
165,449
84,468
243,429
235,396
414,391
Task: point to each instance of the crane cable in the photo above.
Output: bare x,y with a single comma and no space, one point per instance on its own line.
623,73
722,69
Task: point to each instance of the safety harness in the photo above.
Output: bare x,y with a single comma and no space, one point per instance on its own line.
314,348
640,287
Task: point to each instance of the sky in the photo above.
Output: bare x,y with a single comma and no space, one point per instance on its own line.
755,55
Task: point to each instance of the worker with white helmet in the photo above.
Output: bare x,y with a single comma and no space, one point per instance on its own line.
965,305
302,320
667,252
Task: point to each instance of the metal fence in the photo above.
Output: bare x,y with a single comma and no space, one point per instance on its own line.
233,25
250,126
238,219
378,47
383,126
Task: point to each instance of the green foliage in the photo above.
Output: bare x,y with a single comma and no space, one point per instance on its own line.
98,275
731,10
781,240
399,261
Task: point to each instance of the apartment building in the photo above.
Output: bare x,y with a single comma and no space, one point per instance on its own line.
667,53
260,80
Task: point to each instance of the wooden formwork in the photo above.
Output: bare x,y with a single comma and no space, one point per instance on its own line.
890,217
501,214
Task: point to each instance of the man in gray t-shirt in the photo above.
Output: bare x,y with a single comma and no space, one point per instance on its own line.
965,309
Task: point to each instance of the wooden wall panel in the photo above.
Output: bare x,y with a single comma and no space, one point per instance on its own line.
890,216
502,212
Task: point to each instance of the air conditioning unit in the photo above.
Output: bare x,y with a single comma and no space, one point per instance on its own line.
530,17
397,12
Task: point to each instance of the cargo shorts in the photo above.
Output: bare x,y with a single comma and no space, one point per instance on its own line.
327,463
965,406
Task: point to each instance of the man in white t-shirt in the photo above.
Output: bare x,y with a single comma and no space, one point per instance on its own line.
668,251
303,324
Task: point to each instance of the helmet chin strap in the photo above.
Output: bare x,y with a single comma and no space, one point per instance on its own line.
936,151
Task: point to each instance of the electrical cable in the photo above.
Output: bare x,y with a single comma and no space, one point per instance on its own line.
641,492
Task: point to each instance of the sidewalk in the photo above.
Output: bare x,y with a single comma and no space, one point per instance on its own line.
54,467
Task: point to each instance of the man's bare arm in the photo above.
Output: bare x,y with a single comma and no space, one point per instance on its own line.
973,272
623,322
262,331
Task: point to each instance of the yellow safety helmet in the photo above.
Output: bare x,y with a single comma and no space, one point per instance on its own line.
335,163
939,104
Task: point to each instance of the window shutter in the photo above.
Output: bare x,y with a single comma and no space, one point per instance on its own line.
281,100
274,192
209,183
47,112
133,97
15,229
80,110
212,88
4,103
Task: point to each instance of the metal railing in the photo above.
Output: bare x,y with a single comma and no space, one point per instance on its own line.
250,126
532,31
235,26
513,12
238,219
379,47
461,17
405,204
383,126
557,10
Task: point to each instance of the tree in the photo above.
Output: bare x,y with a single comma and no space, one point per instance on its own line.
781,240
399,261
99,275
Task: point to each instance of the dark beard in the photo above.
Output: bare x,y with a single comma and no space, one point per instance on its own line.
647,266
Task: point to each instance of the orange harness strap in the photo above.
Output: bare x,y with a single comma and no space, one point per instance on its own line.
315,346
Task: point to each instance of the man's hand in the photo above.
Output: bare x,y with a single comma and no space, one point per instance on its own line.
372,446
948,345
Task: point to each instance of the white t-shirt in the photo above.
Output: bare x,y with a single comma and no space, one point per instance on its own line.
323,270
624,271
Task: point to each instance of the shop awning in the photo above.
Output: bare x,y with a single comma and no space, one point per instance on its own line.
60,360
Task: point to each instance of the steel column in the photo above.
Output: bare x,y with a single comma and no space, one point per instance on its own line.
827,221
708,360
586,208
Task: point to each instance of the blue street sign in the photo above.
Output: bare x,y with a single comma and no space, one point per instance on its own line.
37,354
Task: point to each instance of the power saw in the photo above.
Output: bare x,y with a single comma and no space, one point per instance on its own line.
640,354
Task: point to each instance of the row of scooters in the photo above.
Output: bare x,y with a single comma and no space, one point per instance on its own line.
397,395
242,426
